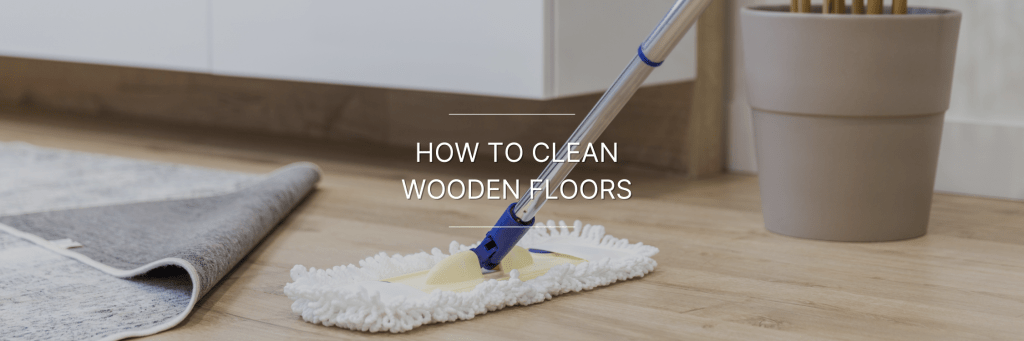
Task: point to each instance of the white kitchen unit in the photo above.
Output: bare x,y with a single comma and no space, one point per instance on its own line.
162,34
595,38
533,49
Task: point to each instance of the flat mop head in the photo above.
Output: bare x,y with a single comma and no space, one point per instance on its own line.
398,293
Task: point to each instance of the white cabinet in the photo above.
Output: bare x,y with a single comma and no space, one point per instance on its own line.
466,46
162,34
594,39
536,49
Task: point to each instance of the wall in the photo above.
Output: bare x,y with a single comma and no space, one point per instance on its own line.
983,139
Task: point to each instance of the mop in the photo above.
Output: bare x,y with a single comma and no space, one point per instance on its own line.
517,262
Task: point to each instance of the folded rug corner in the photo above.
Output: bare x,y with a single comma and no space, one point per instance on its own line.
154,238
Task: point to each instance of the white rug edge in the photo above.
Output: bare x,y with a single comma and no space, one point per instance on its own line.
193,275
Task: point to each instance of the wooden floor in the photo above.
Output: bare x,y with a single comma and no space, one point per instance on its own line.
720,274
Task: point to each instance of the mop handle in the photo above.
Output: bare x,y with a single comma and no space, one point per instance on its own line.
650,54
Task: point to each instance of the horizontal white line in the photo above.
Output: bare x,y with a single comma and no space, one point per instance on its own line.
513,114
504,227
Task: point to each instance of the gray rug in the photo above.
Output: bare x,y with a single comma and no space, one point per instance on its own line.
146,239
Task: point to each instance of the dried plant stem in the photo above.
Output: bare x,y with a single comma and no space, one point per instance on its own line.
805,6
793,6
874,6
899,6
858,6
839,6
826,6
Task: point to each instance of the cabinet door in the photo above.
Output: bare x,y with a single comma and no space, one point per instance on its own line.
164,34
464,46
594,39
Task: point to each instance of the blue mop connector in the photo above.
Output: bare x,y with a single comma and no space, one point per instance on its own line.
500,239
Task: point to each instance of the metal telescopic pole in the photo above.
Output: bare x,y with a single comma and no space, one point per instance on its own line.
662,40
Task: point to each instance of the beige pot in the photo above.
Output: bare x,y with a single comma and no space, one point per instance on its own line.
848,113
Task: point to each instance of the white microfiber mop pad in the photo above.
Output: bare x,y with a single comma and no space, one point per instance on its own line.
354,297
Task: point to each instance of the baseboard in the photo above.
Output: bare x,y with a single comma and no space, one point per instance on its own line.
651,130
982,158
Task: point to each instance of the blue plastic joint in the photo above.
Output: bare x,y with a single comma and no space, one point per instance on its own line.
640,52
501,238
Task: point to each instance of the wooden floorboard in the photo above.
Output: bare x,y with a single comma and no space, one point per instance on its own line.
720,274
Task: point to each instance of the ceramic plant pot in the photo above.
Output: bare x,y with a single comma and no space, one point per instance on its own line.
848,113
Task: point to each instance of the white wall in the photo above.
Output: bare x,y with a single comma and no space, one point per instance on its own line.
982,157
536,49
988,82
983,139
